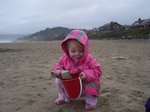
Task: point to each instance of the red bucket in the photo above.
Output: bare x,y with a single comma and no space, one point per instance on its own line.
73,87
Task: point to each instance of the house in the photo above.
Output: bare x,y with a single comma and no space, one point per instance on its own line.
143,24
95,29
112,26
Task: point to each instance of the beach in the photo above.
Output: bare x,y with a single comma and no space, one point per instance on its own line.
26,84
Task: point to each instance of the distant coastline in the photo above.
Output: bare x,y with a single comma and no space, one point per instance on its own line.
10,41
9,38
6,41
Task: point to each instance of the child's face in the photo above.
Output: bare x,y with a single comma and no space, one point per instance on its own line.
75,50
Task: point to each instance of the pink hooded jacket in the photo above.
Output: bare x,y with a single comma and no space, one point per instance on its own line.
87,63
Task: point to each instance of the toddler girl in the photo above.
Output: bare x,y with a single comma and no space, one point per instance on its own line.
77,60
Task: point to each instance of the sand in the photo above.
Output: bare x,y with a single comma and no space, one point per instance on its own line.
26,85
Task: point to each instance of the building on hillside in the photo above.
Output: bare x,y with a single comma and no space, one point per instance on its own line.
143,24
95,29
112,26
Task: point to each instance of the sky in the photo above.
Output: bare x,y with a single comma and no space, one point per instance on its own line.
30,16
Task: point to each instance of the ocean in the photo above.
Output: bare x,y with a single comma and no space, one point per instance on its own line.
9,38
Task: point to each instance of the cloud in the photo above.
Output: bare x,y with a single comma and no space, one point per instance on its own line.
28,16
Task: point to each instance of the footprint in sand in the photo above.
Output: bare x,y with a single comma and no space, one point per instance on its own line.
119,58
18,108
30,102
137,93
39,94
1,83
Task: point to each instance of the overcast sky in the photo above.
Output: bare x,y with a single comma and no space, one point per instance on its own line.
30,16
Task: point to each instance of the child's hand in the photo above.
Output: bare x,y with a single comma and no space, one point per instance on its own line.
58,73
82,75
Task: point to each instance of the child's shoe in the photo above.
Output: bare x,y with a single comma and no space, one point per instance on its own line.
90,107
59,101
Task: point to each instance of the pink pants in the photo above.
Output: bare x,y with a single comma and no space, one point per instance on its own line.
89,99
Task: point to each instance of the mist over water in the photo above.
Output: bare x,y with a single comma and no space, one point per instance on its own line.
8,38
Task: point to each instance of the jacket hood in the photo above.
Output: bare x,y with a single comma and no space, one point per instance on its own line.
81,37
